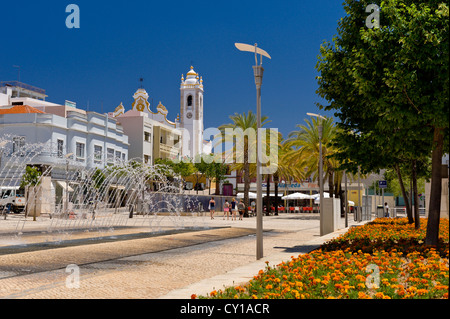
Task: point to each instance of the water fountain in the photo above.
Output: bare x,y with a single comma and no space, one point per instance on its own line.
69,197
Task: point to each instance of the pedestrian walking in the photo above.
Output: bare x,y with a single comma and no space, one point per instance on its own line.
212,204
226,209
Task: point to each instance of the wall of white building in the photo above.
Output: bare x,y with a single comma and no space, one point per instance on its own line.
88,130
4,99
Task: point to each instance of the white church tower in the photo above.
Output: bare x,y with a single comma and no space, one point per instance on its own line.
191,113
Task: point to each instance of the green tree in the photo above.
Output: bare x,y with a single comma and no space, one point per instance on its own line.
217,170
31,179
165,166
170,169
184,168
291,166
389,86
247,124
305,142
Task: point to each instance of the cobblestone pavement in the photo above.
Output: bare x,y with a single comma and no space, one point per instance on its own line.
135,263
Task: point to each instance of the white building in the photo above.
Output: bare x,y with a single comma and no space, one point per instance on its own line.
148,138
94,139
152,135
16,89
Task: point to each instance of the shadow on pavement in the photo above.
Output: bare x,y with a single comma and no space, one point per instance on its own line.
300,249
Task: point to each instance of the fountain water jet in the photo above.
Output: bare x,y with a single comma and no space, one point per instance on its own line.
70,196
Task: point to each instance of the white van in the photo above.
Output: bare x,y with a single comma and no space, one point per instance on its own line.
12,198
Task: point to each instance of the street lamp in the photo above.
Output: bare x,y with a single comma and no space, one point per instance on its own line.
258,71
320,117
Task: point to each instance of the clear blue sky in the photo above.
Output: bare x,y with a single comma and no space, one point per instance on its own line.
120,41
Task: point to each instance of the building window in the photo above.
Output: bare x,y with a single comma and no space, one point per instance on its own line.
110,155
80,152
98,154
189,101
124,157
147,136
147,159
18,144
118,156
60,147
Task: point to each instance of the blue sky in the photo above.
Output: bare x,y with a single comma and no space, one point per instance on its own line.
119,42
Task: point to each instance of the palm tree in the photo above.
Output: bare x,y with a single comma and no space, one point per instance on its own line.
243,139
291,166
305,141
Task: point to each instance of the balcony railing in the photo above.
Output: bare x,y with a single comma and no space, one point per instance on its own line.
22,85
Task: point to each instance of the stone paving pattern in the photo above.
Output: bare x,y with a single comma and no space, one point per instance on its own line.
133,263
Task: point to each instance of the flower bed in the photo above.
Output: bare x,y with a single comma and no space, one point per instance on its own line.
384,259
389,234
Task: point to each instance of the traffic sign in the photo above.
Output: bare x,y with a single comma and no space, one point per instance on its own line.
382,184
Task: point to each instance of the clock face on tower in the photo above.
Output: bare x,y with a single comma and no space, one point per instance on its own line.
189,115
140,107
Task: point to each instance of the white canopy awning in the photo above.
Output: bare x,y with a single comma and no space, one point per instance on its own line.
9,187
252,195
325,195
297,196
317,197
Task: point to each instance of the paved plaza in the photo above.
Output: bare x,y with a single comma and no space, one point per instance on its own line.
138,260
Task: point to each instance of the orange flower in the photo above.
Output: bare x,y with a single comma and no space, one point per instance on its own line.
362,295
422,292
379,295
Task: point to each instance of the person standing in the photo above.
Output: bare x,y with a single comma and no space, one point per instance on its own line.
212,204
226,209
233,209
386,210
241,207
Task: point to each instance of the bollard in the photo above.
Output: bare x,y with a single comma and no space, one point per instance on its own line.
131,208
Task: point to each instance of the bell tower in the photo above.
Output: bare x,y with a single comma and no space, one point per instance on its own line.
191,113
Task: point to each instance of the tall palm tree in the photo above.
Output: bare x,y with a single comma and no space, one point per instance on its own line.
243,141
291,166
305,142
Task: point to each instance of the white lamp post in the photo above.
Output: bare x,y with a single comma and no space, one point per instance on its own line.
320,117
258,71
